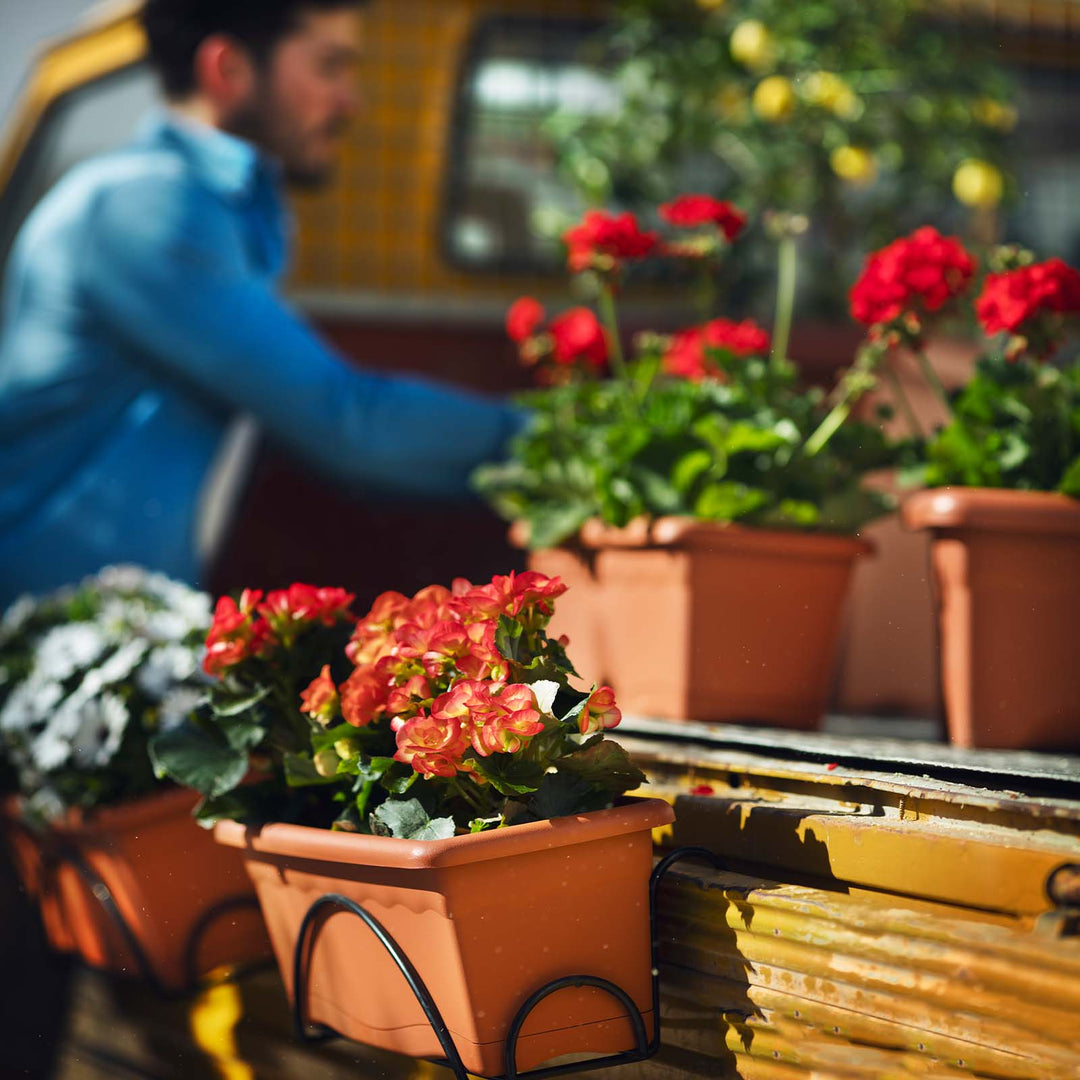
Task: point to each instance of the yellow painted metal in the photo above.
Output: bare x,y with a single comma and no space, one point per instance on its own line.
834,984
928,842
214,1015
106,45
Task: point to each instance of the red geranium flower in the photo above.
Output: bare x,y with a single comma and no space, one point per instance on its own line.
923,270
578,335
687,356
603,240
523,318
1010,300
694,211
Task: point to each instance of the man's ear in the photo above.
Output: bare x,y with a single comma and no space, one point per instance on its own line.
224,72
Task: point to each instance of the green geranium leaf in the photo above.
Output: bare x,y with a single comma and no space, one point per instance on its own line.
510,775
224,703
1070,482
564,793
398,778
198,758
689,468
508,637
604,765
374,768
408,820
300,771
728,501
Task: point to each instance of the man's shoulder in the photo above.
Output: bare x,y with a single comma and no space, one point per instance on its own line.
124,183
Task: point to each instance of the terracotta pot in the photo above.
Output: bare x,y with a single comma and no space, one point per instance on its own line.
1007,570
165,874
485,919
709,622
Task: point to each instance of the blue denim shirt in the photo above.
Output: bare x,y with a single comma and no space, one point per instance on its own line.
140,316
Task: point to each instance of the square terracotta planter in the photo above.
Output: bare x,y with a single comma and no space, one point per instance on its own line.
485,919
695,621
166,876
1007,574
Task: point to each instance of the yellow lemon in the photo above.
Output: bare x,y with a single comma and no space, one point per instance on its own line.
752,45
854,164
774,99
978,183
994,114
829,91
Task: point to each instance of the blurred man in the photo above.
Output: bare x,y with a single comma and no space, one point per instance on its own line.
141,318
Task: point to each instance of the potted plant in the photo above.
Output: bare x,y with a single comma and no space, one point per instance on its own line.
1003,514
432,764
123,876
709,503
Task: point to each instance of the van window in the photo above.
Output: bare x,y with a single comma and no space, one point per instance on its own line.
503,179
91,119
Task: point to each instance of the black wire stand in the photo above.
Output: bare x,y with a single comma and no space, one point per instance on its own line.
644,1046
54,855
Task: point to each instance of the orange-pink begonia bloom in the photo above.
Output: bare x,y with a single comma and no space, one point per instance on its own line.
432,744
320,700
600,712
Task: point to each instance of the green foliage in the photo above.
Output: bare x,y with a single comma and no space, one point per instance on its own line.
719,451
1015,425
915,95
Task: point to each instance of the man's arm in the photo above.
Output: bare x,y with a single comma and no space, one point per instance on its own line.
164,268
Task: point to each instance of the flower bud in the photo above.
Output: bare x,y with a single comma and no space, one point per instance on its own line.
347,749
326,762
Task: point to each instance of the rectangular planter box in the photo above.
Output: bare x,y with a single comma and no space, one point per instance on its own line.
1007,572
485,919
695,621
165,874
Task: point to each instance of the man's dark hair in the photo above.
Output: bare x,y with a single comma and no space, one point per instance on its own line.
176,29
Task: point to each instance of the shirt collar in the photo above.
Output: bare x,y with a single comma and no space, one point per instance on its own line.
226,163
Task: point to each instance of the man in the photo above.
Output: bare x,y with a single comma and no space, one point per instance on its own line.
140,317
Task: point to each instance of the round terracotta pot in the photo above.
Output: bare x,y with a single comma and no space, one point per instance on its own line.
486,920
165,874
697,621
1007,575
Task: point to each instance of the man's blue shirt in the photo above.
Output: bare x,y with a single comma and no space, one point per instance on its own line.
140,317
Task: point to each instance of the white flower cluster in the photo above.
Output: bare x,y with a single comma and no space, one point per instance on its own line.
78,674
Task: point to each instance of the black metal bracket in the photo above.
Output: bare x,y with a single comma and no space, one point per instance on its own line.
57,854
644,1048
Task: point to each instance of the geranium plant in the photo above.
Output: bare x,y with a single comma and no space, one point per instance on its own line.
449,711
709,422
1016,424
87,675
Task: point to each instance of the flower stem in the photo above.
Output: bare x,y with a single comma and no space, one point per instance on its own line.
933,379
785,298
611,324
904,403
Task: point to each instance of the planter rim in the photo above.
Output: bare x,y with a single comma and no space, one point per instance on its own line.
994,509
120,816
306,842
687,532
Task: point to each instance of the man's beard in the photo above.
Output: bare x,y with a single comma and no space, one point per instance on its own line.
258,123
